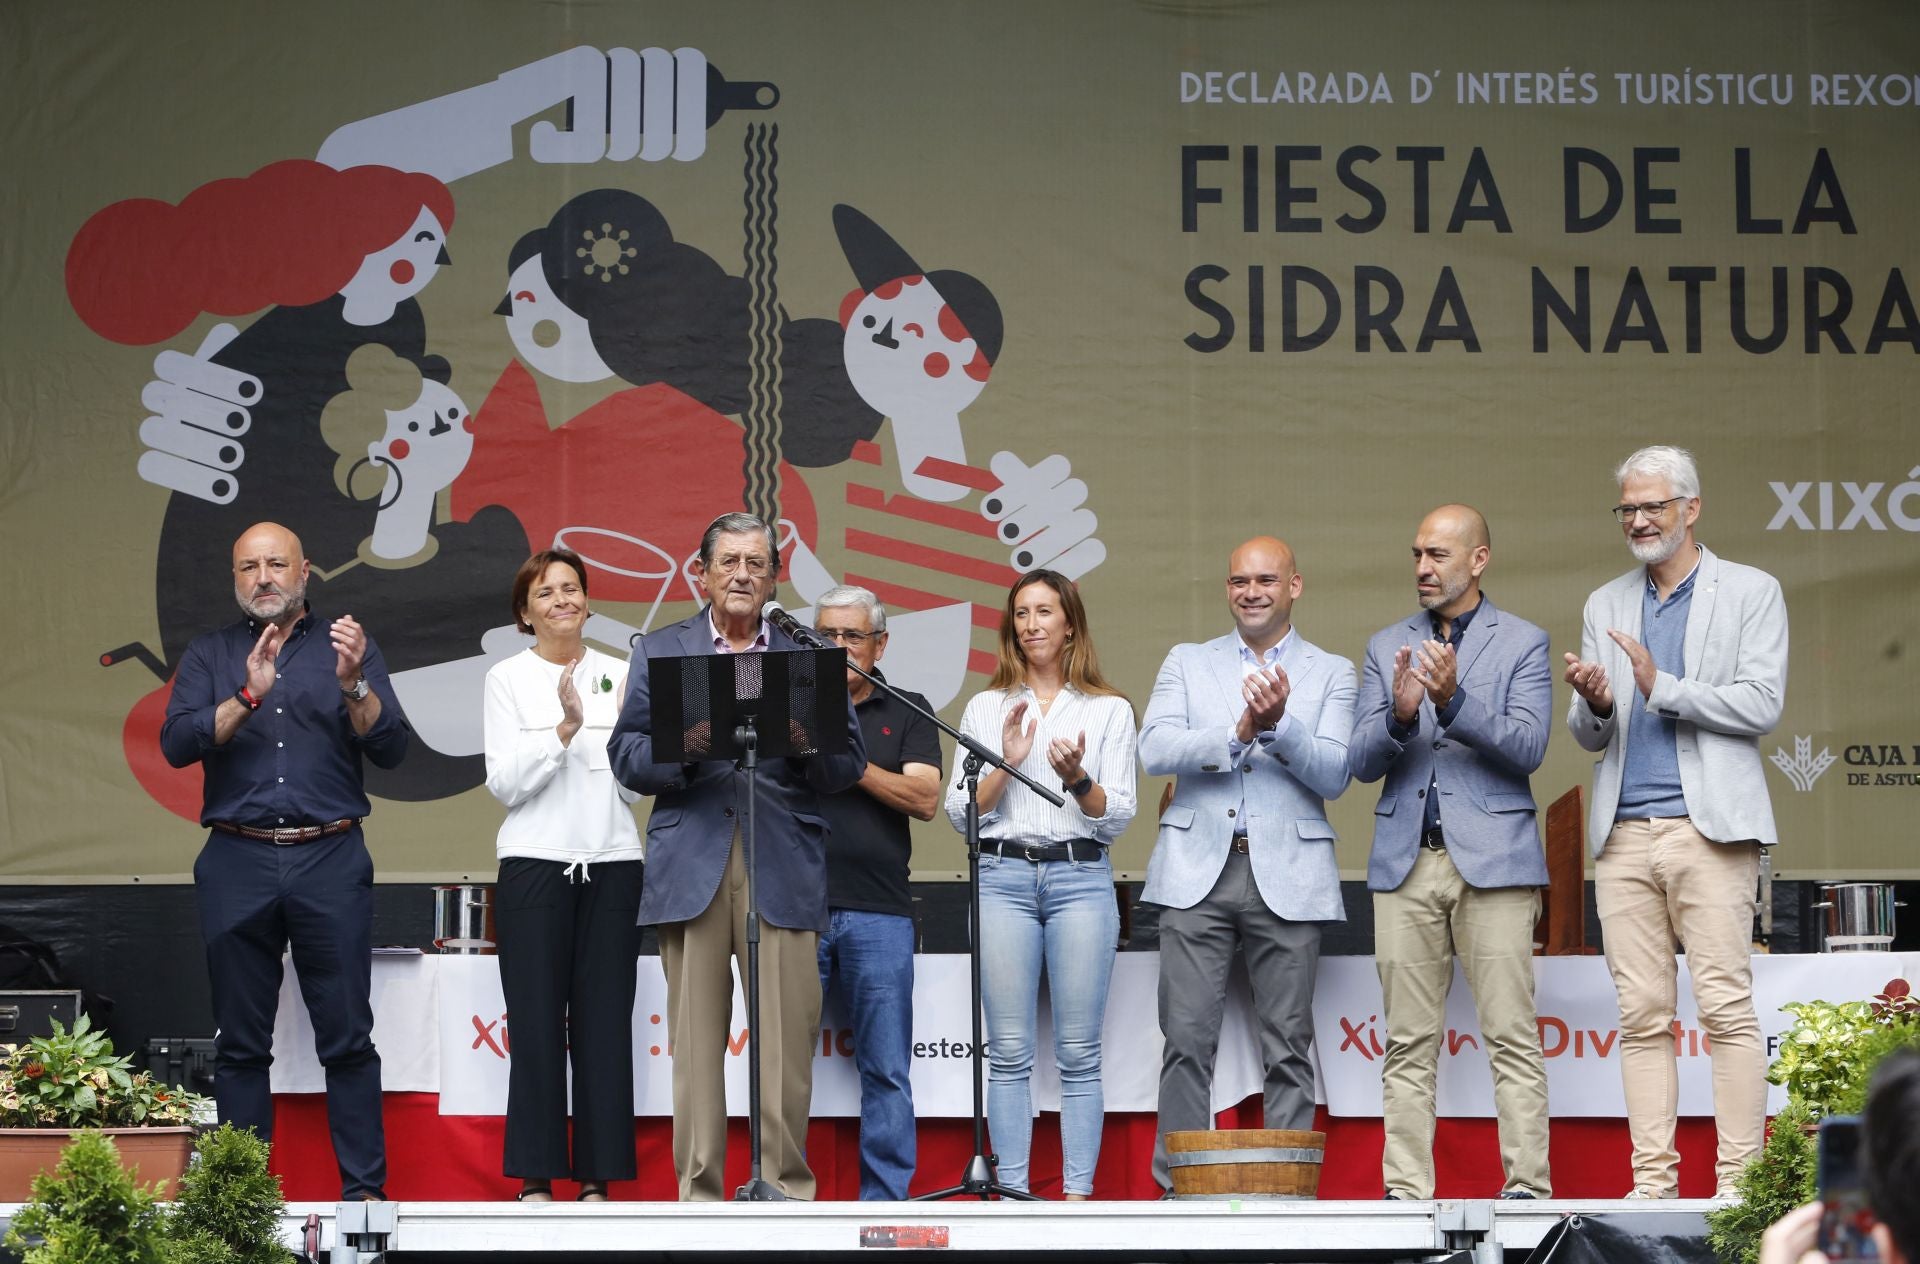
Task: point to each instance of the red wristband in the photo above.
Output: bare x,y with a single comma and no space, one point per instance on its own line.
252,703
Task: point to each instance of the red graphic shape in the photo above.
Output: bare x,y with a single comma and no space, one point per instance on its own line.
398,449
930,558
954,472
401,271
178,790
142,270
651,463
860,496
936,365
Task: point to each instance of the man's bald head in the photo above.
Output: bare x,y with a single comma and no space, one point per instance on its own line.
1466,523
272,536
270,573
1450,550
1262,584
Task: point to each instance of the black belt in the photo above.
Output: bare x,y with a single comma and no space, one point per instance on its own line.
1072,849
291,834
1433,839
1239,844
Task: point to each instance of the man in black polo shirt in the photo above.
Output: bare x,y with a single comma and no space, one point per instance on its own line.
869,941
278,709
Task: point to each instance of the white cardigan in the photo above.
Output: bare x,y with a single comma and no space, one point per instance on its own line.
563,802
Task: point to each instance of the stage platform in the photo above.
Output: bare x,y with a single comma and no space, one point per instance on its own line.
1485,1231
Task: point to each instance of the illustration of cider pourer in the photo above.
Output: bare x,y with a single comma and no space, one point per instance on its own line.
619,105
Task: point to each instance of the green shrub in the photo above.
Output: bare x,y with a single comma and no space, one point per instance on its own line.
1773,1184
229,1205
88,1210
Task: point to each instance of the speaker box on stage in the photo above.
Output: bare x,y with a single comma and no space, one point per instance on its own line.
183,1060
29,1013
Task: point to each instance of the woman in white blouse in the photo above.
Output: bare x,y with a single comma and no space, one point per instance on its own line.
569,890
1046,887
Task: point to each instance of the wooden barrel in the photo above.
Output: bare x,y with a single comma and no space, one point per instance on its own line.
1245,1163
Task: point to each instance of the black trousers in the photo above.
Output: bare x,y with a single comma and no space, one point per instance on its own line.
569,951
256,901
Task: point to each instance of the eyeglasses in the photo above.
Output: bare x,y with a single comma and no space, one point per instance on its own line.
1652,512
847,636
755,566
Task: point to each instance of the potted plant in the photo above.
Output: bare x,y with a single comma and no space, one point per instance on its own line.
88,1209
1825,1062
55,1085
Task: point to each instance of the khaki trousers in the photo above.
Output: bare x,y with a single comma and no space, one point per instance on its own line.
696,956
1418,929
1658,882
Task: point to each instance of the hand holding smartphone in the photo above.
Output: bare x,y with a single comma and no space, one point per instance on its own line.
1846,1221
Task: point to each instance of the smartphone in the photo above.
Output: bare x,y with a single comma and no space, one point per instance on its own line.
1847,1221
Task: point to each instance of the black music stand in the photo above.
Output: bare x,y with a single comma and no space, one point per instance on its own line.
739,707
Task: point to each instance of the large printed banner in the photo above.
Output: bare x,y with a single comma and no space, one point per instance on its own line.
441,1027
949,292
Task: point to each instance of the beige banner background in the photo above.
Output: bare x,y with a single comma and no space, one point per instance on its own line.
1039,149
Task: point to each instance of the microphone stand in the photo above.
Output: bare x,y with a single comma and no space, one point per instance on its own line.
978,1180
757,1189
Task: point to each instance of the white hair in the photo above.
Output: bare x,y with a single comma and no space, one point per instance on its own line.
847,596
1675,465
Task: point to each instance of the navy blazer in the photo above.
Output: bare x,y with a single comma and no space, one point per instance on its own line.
1483,760
696,806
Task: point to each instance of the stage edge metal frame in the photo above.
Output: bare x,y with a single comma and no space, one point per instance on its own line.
1119,1230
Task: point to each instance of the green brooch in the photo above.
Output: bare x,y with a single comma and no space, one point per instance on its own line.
603,685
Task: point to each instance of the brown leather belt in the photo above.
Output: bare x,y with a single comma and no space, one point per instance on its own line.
291,834
1239,844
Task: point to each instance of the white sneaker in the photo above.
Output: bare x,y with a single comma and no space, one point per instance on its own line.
1641,1191
1727,1193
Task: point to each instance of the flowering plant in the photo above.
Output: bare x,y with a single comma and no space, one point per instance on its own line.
1826,1055
71,1079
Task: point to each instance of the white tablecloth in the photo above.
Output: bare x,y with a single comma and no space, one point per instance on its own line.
441,1027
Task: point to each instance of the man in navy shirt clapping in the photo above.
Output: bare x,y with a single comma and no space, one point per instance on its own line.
278,708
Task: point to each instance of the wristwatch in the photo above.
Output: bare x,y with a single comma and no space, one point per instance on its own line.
1080,787
356,692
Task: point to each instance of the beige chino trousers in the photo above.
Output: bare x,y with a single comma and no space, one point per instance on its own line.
1661,884
697,957
1418,930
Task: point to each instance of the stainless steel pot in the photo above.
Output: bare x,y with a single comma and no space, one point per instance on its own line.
463,919
1856,916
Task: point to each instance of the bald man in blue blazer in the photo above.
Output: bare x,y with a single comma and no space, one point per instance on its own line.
1455,707
1254,727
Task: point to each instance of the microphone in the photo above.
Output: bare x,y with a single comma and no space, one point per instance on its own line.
773,612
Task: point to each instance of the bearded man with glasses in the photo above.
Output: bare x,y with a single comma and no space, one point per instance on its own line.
1682,670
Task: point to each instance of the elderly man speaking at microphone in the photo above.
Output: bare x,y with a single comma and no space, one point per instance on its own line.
696,880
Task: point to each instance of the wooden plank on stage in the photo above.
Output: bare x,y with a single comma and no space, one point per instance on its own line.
1562,928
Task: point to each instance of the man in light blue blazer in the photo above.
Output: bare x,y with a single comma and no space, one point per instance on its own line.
1254,727
694,891
1455,703
1682,670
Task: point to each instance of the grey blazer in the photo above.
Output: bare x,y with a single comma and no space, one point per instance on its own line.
1286,778
1731,697
1482,760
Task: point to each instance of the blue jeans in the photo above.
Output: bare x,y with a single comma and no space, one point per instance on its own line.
1062,913
872,953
